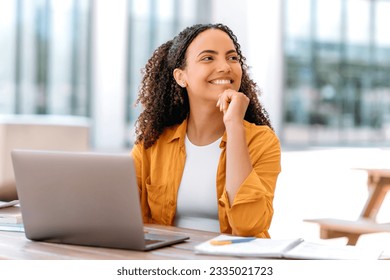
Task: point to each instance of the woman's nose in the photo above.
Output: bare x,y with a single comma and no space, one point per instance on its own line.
223,66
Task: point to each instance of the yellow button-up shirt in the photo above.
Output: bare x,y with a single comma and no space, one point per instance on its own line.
160,168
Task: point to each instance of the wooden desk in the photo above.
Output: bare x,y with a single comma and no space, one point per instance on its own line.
378,182
14,245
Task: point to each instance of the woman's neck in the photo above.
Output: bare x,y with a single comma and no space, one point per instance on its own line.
205,126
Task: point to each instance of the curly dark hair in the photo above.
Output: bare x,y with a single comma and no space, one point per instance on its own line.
165,103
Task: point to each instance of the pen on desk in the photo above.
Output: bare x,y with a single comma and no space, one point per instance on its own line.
231,241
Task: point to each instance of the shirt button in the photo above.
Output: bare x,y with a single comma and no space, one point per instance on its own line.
171,202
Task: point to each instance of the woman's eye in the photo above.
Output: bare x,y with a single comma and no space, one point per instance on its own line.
207,58
234,58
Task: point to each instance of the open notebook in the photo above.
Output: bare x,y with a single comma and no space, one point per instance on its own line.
287,249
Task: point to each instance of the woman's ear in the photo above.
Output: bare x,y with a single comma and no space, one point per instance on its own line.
178,75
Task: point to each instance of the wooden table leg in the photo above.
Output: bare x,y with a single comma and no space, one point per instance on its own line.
378,188
352,239
326,233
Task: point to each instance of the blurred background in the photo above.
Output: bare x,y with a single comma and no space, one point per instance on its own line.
323,67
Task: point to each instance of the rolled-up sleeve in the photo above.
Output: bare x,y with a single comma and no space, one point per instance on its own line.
252,209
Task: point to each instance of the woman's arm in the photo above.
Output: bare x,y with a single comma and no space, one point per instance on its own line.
251,171
251,212
238,163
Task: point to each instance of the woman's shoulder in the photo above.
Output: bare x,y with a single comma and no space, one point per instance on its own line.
169,134
261,135
254,129
262,139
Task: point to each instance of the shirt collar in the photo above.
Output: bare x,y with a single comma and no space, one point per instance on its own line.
179,133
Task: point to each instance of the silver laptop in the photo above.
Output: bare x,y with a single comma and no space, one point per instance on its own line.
82,198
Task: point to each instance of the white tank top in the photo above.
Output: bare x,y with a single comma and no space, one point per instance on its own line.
197,206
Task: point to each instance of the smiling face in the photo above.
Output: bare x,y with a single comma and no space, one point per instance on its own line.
212,66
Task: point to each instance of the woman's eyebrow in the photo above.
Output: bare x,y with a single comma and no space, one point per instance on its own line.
208,51
231,51
215,52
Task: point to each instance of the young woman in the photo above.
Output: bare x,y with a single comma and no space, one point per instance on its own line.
206,155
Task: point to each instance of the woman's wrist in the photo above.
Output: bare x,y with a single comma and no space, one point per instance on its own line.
234,126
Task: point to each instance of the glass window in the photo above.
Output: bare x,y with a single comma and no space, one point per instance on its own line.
382,38
328,20
298,28
8,16
358,30
382,12
45,54
69,50
27,98
337,82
